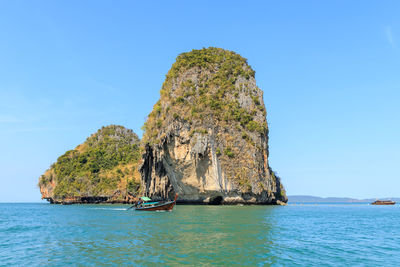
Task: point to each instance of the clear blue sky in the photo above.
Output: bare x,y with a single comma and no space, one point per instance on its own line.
330,72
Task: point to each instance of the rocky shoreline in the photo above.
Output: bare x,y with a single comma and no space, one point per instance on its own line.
107,200
130,199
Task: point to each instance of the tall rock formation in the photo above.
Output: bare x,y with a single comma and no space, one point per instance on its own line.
102,169
207,137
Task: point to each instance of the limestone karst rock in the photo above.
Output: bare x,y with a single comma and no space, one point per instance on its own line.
207,137
102,169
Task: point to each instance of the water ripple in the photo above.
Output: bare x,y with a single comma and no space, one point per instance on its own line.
312,235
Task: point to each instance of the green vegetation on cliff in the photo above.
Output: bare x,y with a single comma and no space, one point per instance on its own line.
105,163
210,100
209,125
206,84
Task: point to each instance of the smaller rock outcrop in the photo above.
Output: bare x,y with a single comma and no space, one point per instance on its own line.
104,169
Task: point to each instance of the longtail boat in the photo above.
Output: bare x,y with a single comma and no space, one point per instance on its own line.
383,202
145,203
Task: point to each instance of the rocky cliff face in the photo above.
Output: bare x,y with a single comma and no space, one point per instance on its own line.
207,137
102,169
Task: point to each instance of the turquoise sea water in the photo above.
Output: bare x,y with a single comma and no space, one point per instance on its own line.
310,235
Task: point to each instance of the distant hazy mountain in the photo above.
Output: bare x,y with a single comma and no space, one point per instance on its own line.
314,199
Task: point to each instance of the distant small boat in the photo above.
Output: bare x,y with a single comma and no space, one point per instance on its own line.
146,204
383,202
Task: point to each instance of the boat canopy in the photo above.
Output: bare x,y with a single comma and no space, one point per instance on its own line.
150,203
145,198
